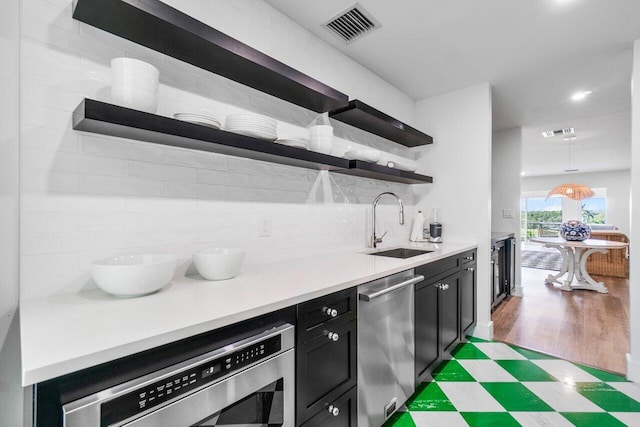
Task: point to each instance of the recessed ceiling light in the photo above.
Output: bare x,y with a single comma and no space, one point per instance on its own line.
548,133
568,131
523,173
579,96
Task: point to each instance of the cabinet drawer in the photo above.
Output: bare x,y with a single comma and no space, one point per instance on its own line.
316,315
438,269
326,368
469,256
345,416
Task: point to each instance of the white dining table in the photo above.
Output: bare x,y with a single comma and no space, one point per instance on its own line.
574,261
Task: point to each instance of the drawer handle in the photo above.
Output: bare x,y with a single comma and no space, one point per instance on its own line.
470,269
333,336
332,312
442,286
333,410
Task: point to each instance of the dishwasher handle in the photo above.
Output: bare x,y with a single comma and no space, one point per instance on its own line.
368,296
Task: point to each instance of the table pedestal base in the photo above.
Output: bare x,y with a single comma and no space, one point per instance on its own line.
575,265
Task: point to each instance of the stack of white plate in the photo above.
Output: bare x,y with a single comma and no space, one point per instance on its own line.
199,119
294,142
252,125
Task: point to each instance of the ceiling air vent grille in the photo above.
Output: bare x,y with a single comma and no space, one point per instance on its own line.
352,24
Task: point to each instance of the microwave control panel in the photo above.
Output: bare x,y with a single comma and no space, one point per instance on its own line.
151,395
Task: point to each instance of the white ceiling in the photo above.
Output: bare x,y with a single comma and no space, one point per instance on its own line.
534,53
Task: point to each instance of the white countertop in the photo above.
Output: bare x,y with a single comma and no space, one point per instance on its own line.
66,333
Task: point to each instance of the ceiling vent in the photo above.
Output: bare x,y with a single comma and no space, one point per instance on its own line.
352,24
565,131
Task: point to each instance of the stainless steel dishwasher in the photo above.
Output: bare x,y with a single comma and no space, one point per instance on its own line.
386,351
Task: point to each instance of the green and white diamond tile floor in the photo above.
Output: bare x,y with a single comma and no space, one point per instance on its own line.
495,384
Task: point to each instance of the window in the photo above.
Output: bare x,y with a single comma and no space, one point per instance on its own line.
594,210
540,217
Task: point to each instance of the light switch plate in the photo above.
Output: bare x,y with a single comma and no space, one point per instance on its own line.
264,226
507,213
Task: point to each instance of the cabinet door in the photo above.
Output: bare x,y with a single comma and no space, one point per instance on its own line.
449,311
427,325
467,297
326,368
341,412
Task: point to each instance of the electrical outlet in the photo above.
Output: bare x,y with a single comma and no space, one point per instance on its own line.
507,213
264,226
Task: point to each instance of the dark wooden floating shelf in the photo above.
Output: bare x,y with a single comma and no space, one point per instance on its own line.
365,117
108,119
375,171
160,27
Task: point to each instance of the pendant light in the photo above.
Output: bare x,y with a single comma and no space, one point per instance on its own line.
571,190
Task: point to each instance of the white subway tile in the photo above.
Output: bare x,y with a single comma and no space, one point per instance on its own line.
198,159
95,184
35,115
161,204
121,148
46,181
52,139
76,42
48,14
49,221
249,194
71,203
248,166
43,159
200,191
102,166
160,172
50,97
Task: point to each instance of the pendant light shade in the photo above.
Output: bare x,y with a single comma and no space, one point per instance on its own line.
572,191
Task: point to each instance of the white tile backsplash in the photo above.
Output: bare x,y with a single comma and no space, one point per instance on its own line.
88,196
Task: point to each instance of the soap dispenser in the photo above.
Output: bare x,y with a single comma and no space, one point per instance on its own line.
418,226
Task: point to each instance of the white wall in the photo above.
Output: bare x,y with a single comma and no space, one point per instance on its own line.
633,358
617,184
10,389
460,123
87,196
506,165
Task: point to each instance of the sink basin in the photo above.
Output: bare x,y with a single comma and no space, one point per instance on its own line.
401,253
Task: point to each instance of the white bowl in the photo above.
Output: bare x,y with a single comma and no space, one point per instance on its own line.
321,144
136,99
404,164
131,66
134,275
218,263
371,156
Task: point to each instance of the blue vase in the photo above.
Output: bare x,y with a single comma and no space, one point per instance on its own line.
574,230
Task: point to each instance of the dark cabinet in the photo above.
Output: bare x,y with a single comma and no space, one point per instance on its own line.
467,297
437,321
502,270
427,327
449,312
444,309
326,359
342,412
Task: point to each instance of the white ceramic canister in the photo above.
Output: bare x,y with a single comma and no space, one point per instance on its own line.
134,84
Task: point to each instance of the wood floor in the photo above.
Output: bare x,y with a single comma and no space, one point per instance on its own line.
581,326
